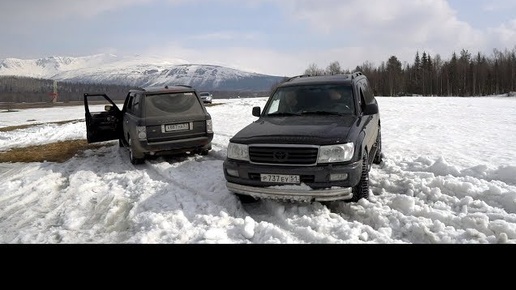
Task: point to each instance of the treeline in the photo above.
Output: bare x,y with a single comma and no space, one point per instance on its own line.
16,89
462,75
26,89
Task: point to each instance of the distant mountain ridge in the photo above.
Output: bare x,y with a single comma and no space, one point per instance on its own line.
138,71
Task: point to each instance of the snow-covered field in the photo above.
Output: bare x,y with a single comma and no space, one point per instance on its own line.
448,176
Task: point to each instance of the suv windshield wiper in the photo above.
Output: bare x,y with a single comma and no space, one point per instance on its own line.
283,114
321,113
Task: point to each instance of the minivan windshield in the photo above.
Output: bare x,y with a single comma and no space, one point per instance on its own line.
185,103
329,99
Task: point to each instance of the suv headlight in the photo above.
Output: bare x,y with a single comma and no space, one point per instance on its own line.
336,153
238,151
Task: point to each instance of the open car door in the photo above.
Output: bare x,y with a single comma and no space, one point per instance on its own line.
104,125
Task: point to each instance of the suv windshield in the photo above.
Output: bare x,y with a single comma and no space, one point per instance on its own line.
309,99
165,104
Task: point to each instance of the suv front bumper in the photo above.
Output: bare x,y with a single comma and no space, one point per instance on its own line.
317,178
331,194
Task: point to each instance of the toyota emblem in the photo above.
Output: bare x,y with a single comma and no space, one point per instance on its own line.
280,155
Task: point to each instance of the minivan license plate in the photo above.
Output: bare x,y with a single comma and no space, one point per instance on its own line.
279,178
176,127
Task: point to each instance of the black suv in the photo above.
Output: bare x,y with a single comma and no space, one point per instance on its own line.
318,133
153,121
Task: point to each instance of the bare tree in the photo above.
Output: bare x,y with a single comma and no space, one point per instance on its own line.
334,68
314,70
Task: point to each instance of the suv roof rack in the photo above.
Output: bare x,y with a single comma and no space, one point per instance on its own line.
186,86
356,74
299,76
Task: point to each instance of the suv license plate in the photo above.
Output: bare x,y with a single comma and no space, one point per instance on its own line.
278,178
176,127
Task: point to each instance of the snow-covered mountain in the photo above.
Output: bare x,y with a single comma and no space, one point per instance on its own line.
137,71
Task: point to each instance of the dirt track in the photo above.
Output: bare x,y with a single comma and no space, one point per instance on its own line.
14,106
17,106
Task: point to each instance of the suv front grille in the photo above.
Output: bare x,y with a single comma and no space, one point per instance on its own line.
283,155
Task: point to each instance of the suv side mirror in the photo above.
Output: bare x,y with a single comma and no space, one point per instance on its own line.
256,111
371,109
108,108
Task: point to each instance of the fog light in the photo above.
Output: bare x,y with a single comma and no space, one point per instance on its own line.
232,172
339,176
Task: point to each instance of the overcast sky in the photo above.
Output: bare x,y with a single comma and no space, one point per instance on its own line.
265,36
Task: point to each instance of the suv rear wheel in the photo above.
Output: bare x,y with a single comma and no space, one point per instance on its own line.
134,159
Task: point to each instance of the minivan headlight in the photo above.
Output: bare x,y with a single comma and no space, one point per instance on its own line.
238,151
336,153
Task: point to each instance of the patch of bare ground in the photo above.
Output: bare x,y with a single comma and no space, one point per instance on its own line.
54,152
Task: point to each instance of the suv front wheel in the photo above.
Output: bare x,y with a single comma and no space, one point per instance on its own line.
378,157
361,190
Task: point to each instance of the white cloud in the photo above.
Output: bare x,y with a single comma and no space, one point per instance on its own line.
259,60
351,32
505,33
377,29
57,9
226,35
499,5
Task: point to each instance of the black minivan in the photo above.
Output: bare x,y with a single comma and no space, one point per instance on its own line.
152,121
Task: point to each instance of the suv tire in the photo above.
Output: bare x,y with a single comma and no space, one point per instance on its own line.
361,190
134,160
378,157
245,199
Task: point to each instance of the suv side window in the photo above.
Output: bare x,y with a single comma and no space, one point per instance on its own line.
368,92
129,107
359,97
134,104
137,104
